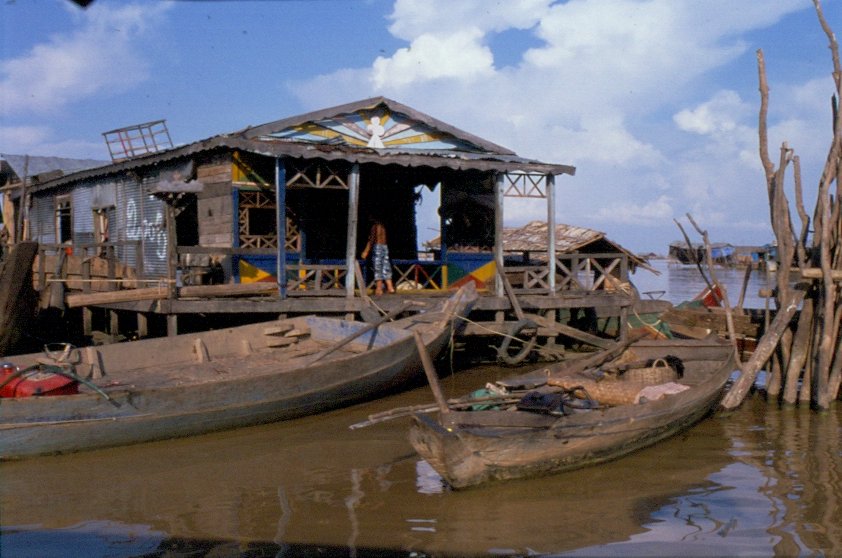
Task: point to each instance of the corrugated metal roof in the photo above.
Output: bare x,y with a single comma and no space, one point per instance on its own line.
457,160
489,157
39,165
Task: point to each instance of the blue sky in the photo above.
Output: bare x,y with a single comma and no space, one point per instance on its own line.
654,101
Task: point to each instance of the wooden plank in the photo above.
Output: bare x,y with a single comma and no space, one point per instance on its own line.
816,273
126,295
277,342
231,289
218,239
577,334
279,329
710,318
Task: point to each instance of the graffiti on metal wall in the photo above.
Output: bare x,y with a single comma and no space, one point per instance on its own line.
153,232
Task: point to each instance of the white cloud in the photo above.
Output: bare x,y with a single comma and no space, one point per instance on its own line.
656,211
719,115
23,137
593,92
413,18
41,140
459,55
103,55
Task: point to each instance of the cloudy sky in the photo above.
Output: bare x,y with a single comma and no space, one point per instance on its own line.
654,101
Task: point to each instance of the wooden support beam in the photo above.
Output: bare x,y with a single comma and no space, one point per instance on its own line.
551,247
114,324
172,325
499,192
816,273
172,256
142,325
281,226
351,238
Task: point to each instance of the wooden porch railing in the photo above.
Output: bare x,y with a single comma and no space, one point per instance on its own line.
574,272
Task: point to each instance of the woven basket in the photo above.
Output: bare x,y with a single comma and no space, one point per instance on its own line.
607,392
659,373
618,389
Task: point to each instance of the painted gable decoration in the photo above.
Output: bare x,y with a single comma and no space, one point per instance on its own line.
378,128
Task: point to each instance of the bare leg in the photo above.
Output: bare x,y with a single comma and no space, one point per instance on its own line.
389,286
378,289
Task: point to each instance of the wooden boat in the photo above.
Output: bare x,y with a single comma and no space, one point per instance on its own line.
704,316
486,437
192,384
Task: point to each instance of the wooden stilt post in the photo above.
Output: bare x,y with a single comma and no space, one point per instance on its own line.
281,225
87,317
498,230
551,247
114,324
353,216
172,255
142,326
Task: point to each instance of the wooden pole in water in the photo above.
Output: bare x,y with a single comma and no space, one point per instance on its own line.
430,371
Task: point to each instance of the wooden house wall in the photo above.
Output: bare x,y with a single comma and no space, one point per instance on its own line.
215,203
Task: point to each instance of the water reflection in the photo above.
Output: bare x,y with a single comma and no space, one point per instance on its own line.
779,497
758,481
683,282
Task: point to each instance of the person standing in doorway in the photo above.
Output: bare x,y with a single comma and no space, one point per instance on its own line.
377,245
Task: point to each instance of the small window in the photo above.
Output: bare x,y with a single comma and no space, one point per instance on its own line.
64,220
261,221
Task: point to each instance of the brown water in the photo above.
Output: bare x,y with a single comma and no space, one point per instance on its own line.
760,481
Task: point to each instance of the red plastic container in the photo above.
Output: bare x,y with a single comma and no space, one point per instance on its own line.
35,382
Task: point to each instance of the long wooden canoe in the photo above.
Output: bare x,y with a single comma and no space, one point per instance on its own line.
473,444
197,383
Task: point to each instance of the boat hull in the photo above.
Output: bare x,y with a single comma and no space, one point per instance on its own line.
476,447
216,388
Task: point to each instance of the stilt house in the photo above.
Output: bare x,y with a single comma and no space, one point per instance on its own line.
285,207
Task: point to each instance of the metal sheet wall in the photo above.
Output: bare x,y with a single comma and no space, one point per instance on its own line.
129,222
154,232
83,215
42,220
141,218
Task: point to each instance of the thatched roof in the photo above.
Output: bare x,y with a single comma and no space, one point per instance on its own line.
533,237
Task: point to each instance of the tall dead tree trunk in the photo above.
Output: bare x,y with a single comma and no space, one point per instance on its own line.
810,354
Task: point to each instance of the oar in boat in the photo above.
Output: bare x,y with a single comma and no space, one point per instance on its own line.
362,331
430,371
